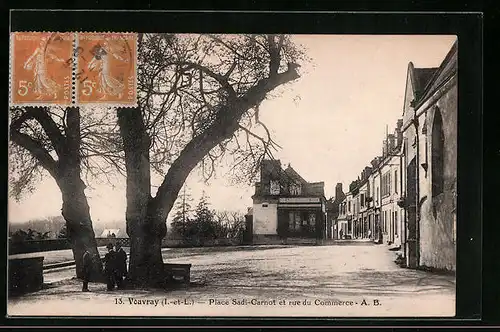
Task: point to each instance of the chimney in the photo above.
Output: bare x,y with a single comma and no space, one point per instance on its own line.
399,125
399,133
338,189
391,142
339,193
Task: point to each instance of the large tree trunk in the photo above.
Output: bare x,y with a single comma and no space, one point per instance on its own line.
146,262
145,226
75,209
66,171
146,216
76,212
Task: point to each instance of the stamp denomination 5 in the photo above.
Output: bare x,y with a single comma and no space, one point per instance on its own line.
106,68
40,72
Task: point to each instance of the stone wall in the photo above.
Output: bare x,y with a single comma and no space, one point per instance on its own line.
437,214
265,217
37,246
25,275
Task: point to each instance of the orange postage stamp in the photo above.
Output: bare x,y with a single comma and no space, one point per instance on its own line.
106,69
41,68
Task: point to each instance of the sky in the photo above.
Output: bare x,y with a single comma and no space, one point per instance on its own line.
329,123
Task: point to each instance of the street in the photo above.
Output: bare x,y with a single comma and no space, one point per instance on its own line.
331,281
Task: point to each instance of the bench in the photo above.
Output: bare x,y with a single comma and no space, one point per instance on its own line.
174,271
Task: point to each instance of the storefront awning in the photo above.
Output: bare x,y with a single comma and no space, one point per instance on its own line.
298,205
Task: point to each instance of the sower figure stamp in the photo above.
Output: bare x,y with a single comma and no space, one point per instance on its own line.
41,72
106,68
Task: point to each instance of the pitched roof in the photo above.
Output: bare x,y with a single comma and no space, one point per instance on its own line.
421,77
446,69
315,188
294,175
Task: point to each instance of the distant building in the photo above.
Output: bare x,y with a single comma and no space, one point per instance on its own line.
286,206
344,219
370,209
333,211
110,233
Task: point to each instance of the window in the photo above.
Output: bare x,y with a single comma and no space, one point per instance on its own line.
382,220
396,181
274,187
385,221
386,184
295,189
362,200
437,154
396,222
392,221
312,219
349,206
294,220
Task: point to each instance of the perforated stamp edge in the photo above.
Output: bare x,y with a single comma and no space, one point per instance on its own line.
42,104
133,104
74,95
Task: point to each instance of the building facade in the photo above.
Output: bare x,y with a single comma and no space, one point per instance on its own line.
375,196
285,206
407,197
333,210
430,160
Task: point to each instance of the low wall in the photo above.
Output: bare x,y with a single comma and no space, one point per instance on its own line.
61,244
178,243
174,243
37,246
277,240
103,241
25,275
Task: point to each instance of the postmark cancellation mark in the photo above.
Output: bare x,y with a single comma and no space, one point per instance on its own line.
73,69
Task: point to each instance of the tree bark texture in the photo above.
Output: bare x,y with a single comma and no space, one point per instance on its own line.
76,212
146,215
66,171
145,226
75,209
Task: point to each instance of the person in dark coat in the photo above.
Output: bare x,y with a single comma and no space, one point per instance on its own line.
121,266
110,267
86,269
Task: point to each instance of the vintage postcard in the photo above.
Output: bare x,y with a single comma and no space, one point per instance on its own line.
230,175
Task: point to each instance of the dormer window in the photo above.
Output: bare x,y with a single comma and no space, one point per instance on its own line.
274,187
295,189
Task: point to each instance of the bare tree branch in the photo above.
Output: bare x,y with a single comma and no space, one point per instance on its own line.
37,150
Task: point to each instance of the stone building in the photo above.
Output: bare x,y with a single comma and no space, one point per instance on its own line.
407,197
375,195
344,219
430,163
287,207
333,206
